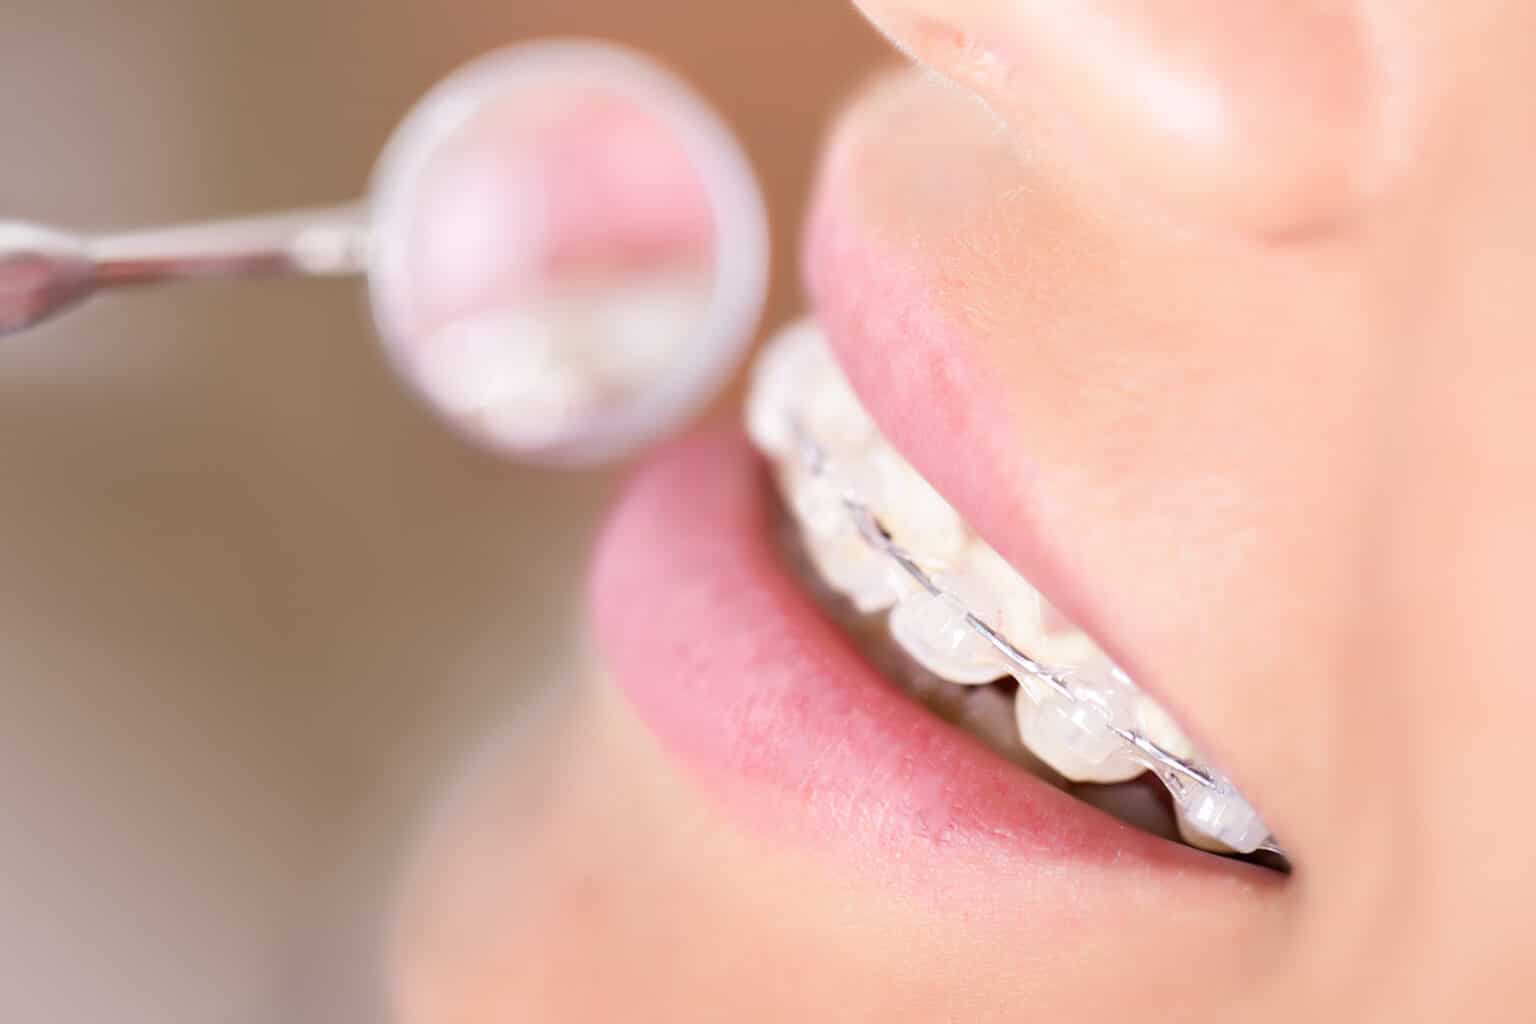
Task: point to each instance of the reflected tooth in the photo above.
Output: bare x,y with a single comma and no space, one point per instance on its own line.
471,364
917,516
780,376
635,328
1076,737
934,630
505,373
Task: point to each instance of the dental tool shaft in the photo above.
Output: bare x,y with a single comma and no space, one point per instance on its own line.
44,271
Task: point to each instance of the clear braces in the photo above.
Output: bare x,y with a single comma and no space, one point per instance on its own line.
1211,804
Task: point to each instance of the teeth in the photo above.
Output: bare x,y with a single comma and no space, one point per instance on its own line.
1159,727
1217,818
857,572
1077,738
841,555
1194,837
934,630
793,357
816,503
797,379
1019,605
833,415
1069,648
799,394
917,517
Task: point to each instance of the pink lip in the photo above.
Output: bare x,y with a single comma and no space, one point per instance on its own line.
746,683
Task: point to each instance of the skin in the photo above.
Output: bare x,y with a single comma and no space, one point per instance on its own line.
1250,347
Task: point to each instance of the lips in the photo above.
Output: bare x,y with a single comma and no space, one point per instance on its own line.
747,683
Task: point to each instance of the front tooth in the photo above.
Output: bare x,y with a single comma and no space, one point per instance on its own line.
779,378
833,413
796,378
917,516
1076,737
933,629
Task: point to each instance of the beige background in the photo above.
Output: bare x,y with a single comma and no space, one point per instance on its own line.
256,610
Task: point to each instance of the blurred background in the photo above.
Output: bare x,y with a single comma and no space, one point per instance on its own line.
257,610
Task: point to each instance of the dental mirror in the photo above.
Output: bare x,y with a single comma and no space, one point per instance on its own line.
565,252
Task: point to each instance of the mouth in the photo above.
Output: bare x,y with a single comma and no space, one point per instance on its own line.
833,654
957,629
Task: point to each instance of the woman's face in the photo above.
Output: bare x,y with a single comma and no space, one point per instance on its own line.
1215,320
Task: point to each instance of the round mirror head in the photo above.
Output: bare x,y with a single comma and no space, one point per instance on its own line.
568,251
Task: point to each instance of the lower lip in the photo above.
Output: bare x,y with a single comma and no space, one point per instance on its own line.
748,685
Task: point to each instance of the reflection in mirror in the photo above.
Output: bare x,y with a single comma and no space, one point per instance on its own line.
572,261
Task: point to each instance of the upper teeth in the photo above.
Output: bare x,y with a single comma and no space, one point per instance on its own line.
534,371
883,537
933,628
